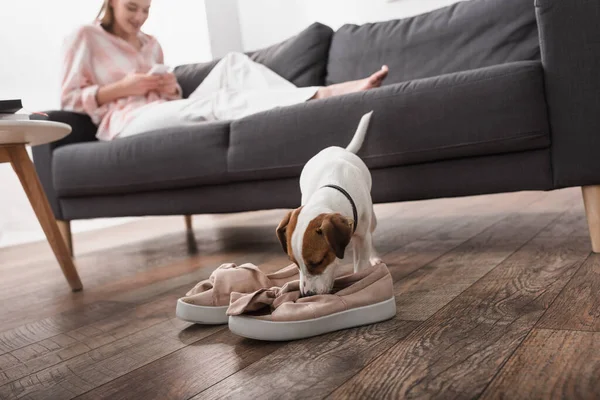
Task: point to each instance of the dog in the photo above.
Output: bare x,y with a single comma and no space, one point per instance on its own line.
336,210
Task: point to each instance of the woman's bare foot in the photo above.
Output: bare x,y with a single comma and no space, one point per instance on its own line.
373,81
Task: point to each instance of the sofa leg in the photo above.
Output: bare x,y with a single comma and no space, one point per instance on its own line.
65,230
591,202
188,223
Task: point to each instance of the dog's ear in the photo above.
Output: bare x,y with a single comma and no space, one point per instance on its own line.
281,231
337,231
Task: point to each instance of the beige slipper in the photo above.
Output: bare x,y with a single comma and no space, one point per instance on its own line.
208,301
279,313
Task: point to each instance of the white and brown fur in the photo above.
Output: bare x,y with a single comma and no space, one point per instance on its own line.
316,235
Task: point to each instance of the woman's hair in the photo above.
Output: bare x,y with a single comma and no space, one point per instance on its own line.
106,16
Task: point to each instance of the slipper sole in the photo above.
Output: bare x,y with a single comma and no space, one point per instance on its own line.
259,329
201,314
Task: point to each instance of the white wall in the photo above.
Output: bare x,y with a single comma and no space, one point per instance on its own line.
224,26
264,22
31,34
181,28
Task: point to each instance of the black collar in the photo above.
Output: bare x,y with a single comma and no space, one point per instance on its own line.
354,212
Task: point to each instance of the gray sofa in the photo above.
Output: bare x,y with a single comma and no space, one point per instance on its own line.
484,96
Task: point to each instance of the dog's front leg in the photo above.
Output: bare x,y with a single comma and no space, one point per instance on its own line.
374,258
356,247
362,247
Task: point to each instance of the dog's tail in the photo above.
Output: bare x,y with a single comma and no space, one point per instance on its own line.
359,135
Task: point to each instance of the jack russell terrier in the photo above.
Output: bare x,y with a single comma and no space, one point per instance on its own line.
336,210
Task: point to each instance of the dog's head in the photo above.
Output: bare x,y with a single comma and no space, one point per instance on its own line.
315,246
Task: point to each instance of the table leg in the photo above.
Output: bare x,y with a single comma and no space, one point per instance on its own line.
4,157
65,230
25,170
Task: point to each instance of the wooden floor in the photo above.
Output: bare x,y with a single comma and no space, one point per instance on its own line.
498,297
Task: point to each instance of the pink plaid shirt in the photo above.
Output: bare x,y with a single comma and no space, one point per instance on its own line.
93,58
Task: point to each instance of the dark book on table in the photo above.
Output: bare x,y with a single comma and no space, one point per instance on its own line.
9,109
10,106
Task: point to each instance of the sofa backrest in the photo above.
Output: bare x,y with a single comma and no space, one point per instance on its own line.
463,36
301,59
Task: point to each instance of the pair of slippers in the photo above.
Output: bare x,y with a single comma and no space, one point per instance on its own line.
270,307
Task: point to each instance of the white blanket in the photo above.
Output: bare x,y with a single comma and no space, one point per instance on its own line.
235,88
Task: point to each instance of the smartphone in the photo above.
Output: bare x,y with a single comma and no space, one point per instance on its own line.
158,69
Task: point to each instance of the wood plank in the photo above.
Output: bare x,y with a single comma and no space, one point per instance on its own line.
571,223
119,343
449,235
426,290
578,305
422,241
458,350
24,335
457,219
551,365
162,247
89,370
402,263
314,366
40,355
124,272
157,238
476,217
130,234
12,324
105,267
406,260
200,365
28,334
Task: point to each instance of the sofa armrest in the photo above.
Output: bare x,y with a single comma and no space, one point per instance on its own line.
570,49
84,130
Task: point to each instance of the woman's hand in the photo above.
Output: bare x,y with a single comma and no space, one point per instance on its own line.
139,84
168,84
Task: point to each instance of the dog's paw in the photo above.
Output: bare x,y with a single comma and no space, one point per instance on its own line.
375,261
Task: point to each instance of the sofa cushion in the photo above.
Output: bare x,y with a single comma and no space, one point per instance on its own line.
463,36
187,155
301,59
492,110
189,76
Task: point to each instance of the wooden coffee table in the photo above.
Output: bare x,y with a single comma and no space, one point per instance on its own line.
14,136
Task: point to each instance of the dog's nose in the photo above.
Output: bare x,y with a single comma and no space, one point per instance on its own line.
304,292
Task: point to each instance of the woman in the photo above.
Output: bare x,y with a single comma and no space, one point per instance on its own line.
106,76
